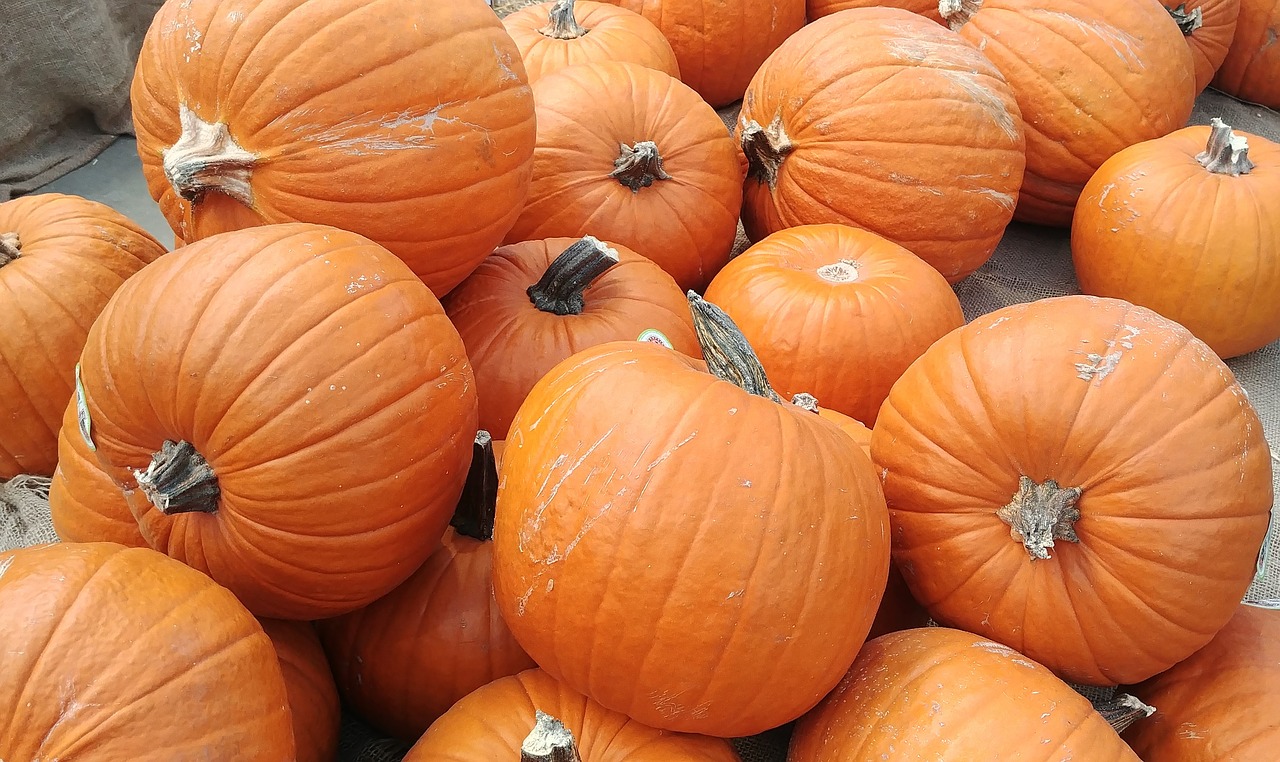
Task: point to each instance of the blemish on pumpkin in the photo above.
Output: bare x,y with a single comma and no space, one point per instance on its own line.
1272,37
1120,42
504,63
5,564
1003,199
987,98
235,17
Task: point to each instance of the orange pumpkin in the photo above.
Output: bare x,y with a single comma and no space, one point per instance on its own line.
1219,703
283,406
1209,26
1063,476
1251,70
828,141
61,258
554,35
632,156
85,504
1092,77
531,305
1189,225
115,653
935,693
313,698
402,661
249,113
819,8
836,311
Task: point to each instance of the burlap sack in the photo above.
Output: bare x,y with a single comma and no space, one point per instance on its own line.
24,513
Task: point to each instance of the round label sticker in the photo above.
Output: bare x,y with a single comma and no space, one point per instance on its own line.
82,413
655,337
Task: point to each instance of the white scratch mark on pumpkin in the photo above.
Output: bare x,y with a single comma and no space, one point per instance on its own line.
670,452
504,63
1120,42
993,104
1099,365
535,523
5,564
235,17
1003,199
1106,192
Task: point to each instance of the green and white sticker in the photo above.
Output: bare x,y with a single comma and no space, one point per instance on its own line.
655,337
82,413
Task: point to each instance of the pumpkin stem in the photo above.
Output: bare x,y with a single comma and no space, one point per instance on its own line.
561,25
805,401
10,248
1040,514
639,166
549,741
179,480
474,515
844,271
206,158
766,148
1121,711
560,288
1188,21
1227,152
729,357
958,12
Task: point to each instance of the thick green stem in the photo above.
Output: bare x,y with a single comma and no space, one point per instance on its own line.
1040,514
1188,21
1121,711
561,24
549,741
10,248
560,288
473,516
1227,152
729,357
639,166
958,12
179,480
766,149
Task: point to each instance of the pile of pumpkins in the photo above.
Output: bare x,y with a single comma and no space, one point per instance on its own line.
450,402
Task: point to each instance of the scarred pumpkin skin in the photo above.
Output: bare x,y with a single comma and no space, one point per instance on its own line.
492,723
828,140
939,694
85,504
61,258
819,8
1076,393
1209,34
603,33
1218,704
313,698
1251,70
323,396
105,645
251,112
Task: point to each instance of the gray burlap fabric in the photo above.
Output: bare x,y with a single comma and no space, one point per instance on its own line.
24,513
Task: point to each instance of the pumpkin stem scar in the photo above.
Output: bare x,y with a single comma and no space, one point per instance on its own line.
1040,514
179,480
560,288
474,515
805,401
1188,21
844,271
10,248
1121,711
766,148
561,24
639,166
1227,152
958,12
549,741
206,158
729,357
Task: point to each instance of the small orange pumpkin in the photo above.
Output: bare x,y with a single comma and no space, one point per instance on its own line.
1251,70
819,8
554,35
313,698
86,505
1209,26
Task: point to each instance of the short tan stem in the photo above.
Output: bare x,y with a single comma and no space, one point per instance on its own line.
206,158
560,288
958,12
1039,514
639,166
805,401
729,357
179,480
843,271
1123,710
473,516
1227,152
561,24
766,149
549,741
10,248
1188,21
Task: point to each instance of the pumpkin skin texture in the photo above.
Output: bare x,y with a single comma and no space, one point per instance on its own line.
600,32
85,504
1121,73
685,224
827,141
322,394
313,698
512,342
1251,70
1216,704
61,258
819,8
1209,34
836,311
238,125
102,642
985,701
720,45
1158,227
986,441
492,723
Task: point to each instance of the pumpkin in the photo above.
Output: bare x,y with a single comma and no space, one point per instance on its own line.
534,718
828,139
1218,704
249,113
114,653
313,698
937,693
1189,225
402,661
555,35
84,503
284,406
1251,70
720,45
1092,77
819,8
641,493
1209,27
632,156
1063,476
61,258
836,311
531,305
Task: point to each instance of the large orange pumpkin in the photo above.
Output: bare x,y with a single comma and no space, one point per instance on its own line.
61,258
1092,77
533,717
285,407
531,305
85,504
115,653
313,698
555,35
408,122
1189,226
632,156
720,45
1251,70
816,9
1064,476
836,311
1220,703
934,693
402,661
641,494
829,139
1209,26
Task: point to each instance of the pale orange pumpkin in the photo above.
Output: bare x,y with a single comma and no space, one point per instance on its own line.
816,9
1251,70
313,698
1210,27
554,35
